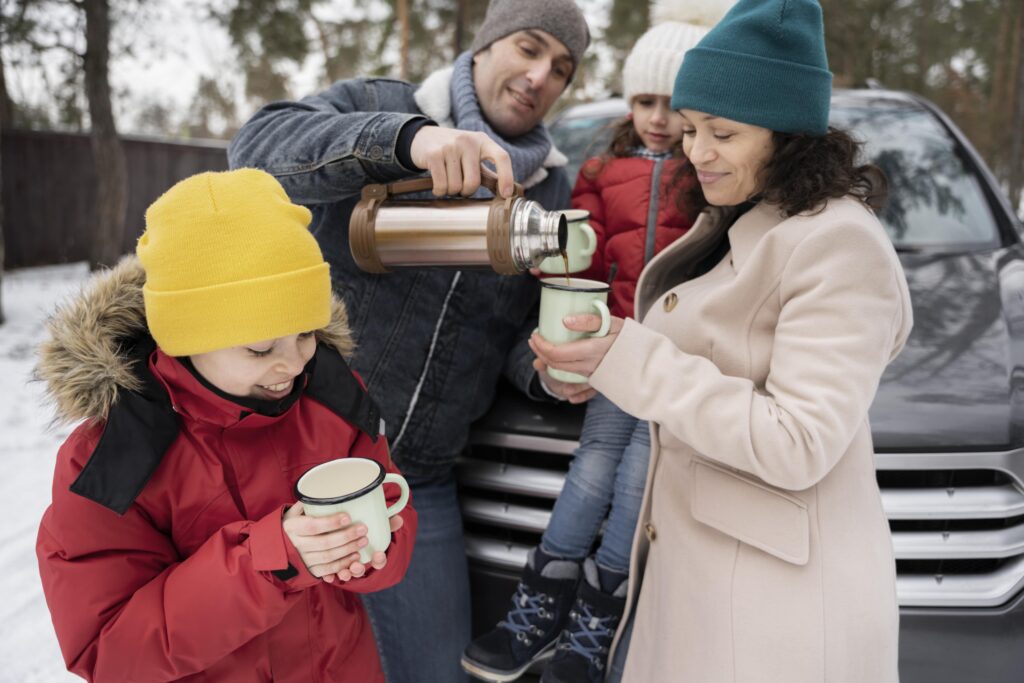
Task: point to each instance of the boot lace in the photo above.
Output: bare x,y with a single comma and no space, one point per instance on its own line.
528,607
589,633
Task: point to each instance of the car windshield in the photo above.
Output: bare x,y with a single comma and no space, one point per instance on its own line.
935,199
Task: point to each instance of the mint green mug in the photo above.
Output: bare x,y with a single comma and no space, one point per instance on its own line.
354,486
560,297
580,245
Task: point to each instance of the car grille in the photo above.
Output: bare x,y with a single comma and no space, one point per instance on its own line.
957,519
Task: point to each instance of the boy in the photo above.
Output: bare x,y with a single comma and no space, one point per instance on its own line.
209,375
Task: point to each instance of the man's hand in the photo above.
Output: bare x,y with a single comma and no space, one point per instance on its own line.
453,158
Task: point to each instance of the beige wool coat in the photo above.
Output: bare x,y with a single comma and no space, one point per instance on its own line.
762,553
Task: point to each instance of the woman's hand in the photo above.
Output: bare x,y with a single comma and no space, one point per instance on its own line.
581,356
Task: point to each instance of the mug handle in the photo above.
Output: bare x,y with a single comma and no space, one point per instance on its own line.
591,240
606,318
403,500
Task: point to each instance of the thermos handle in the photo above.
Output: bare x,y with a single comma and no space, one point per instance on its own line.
487,178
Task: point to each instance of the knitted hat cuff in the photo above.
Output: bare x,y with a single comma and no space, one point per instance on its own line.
782,96
191,321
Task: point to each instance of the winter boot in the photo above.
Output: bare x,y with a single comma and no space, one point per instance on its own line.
581,655
528,632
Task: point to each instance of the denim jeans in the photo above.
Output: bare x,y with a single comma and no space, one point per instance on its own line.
606,479
422,624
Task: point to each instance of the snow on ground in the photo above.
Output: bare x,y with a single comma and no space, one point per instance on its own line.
28,447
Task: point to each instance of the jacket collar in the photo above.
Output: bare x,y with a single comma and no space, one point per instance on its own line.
749,229
676,262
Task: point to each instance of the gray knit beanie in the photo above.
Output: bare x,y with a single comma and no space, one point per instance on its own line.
561,18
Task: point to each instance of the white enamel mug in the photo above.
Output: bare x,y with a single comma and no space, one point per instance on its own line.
354,486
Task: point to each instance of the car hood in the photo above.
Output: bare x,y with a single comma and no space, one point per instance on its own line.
952,386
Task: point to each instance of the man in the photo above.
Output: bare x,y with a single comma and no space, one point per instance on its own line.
432,343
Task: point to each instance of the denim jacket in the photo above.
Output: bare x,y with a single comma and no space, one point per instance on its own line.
431,343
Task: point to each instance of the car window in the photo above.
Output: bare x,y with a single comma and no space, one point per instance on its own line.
935,199
580,138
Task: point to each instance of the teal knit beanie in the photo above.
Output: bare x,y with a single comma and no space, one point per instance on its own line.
763,64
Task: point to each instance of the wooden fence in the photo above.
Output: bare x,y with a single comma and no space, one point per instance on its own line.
49,190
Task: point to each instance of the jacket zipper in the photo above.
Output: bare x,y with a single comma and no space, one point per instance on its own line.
652,211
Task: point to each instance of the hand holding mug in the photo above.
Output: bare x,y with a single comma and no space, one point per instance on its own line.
327,545
351,488
582,356
571,392
378,560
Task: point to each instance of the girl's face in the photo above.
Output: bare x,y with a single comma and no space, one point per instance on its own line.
659,127
727,155
266,369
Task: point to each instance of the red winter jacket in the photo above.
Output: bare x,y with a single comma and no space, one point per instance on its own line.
620,200
196,579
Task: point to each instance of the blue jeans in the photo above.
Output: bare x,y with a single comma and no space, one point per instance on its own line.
606,479
422,625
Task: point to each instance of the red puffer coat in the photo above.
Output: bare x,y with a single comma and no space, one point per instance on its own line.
632,222
162,555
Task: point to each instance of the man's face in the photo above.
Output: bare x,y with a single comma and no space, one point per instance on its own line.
518,78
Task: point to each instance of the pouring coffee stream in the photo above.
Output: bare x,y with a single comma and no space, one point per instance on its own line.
509,235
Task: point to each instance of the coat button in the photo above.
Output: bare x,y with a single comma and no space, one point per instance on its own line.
650,531
376,152
670,301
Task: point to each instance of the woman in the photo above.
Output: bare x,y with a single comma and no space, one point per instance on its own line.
762,551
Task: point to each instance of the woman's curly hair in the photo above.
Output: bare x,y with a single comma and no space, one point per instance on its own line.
806,170
803,172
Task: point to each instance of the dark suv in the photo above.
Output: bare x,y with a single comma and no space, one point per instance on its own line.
948,420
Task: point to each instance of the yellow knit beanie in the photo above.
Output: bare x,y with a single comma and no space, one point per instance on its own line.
230,260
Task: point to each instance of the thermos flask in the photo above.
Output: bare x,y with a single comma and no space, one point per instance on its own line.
508,235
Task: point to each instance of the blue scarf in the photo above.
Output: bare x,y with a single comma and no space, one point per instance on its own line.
528,151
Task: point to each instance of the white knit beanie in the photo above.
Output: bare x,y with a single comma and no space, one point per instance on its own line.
677,26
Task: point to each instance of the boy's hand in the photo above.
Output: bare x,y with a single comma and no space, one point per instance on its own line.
325,544
379,560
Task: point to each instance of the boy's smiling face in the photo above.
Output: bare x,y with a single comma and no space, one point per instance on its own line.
265,369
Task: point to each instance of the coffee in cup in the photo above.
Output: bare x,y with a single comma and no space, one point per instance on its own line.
354,486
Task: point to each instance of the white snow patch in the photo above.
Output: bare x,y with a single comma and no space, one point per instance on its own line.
28,449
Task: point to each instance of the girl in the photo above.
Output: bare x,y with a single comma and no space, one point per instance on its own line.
569,602
208,375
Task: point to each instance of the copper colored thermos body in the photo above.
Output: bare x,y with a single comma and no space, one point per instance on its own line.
508,235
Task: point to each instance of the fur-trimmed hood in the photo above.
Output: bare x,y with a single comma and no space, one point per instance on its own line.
86,362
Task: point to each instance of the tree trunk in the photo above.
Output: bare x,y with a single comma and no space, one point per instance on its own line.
403,27
5,121
111,175
1017,121
460,26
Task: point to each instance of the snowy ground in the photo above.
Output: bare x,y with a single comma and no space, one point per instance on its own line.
28,446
